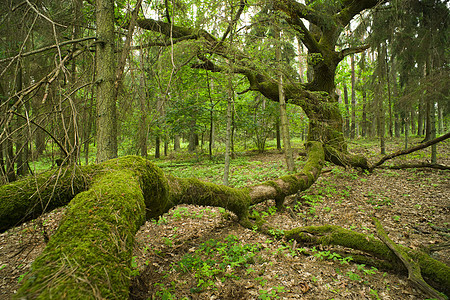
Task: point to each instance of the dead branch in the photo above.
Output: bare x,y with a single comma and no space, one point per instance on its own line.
411,166
43,49
410,150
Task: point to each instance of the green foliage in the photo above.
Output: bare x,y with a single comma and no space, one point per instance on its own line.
223,260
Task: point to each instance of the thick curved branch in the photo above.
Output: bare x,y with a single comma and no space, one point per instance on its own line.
296,10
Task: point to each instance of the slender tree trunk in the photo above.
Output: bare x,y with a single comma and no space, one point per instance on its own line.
22,142
428,109
143,128
278,133
176,143
364,115
283,114
441,118
412,120
420,118
388,80
157,146
226,171
106,106
397,125
347,112
433,132
380,121
353,126
406,132
211,117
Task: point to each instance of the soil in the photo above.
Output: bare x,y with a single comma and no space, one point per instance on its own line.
413,206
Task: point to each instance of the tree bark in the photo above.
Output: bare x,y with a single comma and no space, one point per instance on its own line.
289,157
106,105
353,126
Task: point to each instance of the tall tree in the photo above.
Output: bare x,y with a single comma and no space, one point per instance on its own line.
106,61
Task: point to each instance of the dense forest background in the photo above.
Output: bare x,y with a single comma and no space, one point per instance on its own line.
117,108
398,87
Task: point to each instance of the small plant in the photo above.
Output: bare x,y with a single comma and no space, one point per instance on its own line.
21,277
353,276
374,294
134,266
396,218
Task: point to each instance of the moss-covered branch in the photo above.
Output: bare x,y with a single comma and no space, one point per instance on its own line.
90,254
28,198
437,273
414,274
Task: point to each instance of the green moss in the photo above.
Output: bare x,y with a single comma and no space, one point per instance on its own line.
29,197
435,271
194,191
91,252
335,235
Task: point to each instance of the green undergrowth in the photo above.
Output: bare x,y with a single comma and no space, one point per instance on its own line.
243,171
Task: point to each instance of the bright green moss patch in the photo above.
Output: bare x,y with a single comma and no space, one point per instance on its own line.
91,252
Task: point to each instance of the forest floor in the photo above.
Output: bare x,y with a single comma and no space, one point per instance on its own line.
203,253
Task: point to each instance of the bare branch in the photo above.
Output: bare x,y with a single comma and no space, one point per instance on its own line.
410,150
47,48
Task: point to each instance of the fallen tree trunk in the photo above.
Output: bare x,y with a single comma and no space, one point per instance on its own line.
30,197
437,273
90,254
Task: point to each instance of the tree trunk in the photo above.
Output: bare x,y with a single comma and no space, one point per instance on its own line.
353,126
433,132
157,146
106,105
228,137
420,118
84,259
347,112
289,157
176,143
278,133
364,115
